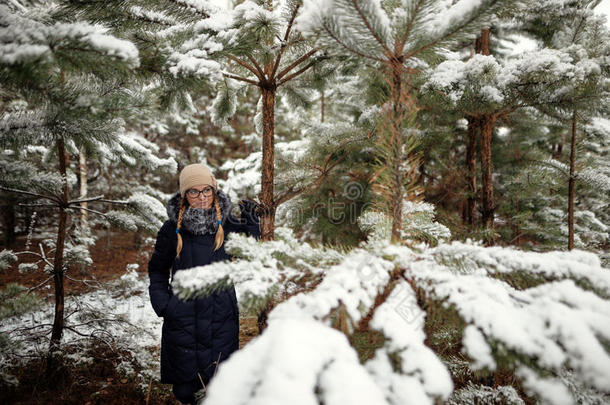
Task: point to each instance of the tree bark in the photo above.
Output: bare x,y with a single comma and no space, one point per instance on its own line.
84,224
486,123
487,197
483,43
267,217
471,170
482,47
396,128
571,184
58,263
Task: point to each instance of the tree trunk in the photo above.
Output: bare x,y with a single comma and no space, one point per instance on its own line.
571,185
58,263
487,196
481,46
396,128
471,170
486,123
267,217
84,224
482,43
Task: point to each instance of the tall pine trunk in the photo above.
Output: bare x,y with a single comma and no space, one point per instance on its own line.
571,184
481,46
486,124
84,223
267,218
58,263
471,170
396,153
487,190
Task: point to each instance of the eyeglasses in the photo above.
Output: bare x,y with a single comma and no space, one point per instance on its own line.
195,193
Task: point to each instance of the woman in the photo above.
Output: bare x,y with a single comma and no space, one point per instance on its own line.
197,334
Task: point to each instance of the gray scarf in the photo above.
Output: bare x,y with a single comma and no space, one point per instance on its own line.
200,221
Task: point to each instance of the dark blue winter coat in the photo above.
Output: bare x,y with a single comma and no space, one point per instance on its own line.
199,333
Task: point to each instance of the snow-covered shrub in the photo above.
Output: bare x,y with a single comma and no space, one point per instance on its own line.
27,267
116,315
528,315
482,394
418,224
7,257
376,224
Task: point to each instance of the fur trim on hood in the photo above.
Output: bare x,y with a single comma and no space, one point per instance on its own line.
199,221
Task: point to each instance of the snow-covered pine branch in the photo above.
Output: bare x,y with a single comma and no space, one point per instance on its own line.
379,30
26,40
133,149
549,327
7,257
558,324
266,270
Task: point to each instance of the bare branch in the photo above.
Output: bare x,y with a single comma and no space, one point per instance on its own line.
244,64
261,75
84,281
78,207
283,46
71,329
292,76
37,205
296,63
82,200
44,257
46,197
39,285
243,79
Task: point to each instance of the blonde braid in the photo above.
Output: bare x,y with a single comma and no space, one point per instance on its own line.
220,235
182,208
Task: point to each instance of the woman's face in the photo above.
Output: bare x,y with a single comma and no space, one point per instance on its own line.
200,196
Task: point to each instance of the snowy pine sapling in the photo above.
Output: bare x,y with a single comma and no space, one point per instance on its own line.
401,39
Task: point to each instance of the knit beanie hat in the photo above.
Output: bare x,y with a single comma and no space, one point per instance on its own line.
195,175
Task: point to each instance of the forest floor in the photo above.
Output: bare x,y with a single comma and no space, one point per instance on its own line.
111,352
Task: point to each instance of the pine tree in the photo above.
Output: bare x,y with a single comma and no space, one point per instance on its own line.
576,30
401,39
547,80
67,78
255,43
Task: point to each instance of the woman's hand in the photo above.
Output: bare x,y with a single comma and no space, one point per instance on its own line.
249,211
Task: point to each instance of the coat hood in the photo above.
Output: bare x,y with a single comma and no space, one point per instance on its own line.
200,221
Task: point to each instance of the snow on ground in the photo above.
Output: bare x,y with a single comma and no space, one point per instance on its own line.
118,312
